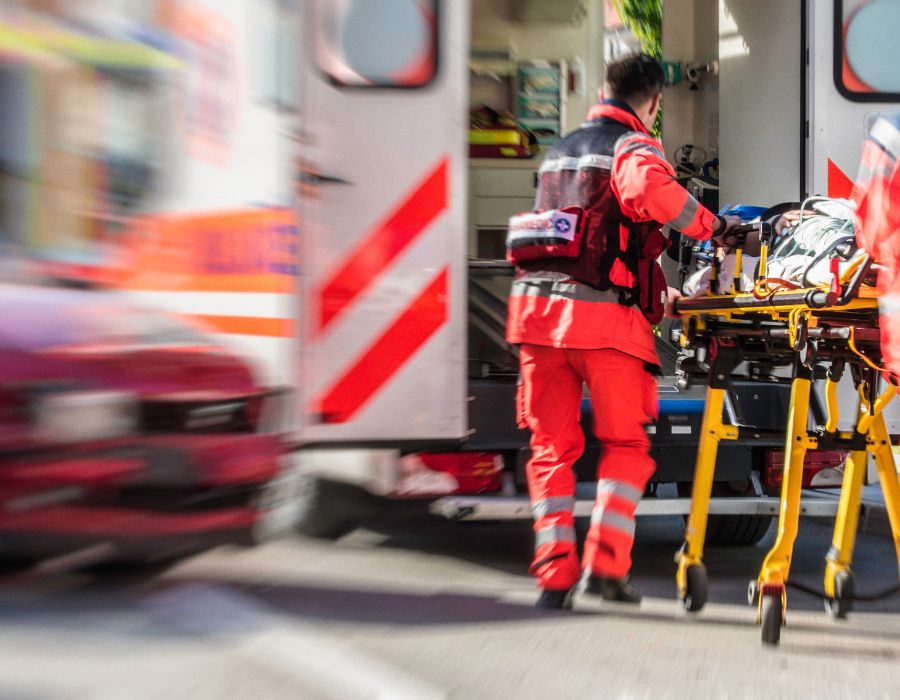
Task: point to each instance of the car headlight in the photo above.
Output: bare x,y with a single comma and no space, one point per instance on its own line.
79,416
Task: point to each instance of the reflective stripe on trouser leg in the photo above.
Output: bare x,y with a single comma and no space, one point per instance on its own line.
623,396
546,506
553,534
555,552
551,403
607,550
555,561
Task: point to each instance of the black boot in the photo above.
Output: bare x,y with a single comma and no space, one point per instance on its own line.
618,590
555,600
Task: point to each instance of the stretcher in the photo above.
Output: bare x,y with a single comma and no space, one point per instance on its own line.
809,334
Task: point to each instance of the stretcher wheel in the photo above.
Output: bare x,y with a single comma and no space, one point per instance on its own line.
771,618
696,593
842,603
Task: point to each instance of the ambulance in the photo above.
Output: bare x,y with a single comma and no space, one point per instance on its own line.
310,198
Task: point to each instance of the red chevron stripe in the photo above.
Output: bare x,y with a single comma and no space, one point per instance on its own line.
382,245
839,185
374,368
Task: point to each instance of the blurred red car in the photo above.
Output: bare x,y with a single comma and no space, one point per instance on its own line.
123,431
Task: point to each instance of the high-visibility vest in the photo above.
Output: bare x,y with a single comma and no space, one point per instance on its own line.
613,175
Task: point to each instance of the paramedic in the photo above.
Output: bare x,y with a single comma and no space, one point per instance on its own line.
583,316
877,195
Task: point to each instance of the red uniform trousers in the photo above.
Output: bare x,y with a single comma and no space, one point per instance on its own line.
623,397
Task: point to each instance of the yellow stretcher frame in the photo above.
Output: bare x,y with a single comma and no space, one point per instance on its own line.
768,591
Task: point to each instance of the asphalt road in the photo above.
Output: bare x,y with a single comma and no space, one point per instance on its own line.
429,609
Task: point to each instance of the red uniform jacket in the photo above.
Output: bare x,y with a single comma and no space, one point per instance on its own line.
616,172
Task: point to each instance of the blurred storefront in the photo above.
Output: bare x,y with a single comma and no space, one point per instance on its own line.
83,88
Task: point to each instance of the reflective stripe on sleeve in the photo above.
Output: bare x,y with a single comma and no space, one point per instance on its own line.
554,533
604,517
889,304
611,487
556,504
887,135
686,216
867,173
642,146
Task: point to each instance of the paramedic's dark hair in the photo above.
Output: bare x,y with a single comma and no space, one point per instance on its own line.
635,77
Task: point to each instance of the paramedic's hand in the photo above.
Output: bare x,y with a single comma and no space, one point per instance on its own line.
671,297
721,237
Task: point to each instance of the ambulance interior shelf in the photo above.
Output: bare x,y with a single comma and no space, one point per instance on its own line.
494,134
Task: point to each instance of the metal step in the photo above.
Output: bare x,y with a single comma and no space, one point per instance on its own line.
519,508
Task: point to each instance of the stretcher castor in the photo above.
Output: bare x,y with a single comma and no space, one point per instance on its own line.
842,603
696,589
771,617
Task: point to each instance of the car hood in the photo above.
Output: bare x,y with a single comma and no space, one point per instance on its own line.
98,340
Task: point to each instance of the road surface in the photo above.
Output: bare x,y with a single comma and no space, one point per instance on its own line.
424,608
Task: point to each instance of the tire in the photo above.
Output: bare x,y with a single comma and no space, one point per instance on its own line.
328,509
697,591
128,572
731,530
771,619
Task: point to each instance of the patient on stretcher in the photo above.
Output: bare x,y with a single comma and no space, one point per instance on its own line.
804,242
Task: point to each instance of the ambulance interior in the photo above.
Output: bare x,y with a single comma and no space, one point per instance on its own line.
536,67
535,70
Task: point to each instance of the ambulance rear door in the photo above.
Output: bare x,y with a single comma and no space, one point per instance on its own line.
383,260
853,51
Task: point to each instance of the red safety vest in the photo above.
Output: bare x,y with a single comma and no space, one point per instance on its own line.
587,275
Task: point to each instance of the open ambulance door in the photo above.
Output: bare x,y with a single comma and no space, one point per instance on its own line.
853,52
851,56
383,256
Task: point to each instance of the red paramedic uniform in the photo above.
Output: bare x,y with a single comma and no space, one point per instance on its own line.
877,194
584,320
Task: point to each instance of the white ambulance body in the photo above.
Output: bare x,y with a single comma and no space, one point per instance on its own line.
800,84
852,51
383,341
319,222
794,104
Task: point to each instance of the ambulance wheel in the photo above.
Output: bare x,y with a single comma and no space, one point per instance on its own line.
696,592
842,603
730,530
771,618
328,509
